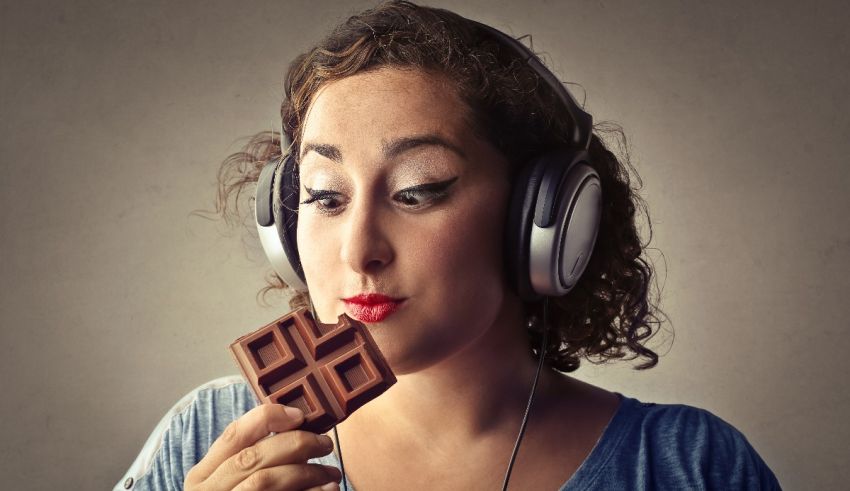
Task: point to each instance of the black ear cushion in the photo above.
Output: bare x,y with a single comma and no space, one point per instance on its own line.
286,214
518,228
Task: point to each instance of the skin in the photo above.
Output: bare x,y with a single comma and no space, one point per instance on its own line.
444,257
457,345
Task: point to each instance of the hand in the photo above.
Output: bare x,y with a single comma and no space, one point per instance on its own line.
245,457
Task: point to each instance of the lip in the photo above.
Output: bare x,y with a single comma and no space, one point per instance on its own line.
371,307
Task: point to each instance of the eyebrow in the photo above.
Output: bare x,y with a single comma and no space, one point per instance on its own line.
391,149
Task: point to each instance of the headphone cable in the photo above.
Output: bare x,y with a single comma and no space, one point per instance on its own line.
341,465
542,354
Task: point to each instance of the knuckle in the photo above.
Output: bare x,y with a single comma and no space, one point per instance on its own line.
303,439
267,411
267,416
247,458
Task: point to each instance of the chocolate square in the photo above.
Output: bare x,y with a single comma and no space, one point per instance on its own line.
326,370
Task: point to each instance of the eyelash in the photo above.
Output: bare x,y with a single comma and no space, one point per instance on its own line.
426,193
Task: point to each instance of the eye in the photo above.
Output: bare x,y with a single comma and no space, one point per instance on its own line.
326,201
423,194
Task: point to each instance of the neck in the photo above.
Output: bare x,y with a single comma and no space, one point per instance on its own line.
478,394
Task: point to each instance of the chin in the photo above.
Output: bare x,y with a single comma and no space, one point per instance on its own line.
416,352
395,350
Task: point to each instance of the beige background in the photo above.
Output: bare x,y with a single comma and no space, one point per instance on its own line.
115,301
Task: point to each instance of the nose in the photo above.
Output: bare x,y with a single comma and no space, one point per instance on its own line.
366,245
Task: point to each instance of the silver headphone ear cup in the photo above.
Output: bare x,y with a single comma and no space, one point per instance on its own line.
582,226
518,229
271,235
560,252
270,240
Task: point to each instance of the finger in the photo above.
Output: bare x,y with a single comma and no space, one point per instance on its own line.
291,477
331,486
291,447
244,432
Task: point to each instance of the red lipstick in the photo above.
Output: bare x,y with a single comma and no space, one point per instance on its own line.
371,307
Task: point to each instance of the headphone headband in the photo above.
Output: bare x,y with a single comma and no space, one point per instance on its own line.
582,121
554,214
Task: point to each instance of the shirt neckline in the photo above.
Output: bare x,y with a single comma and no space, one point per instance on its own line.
605,447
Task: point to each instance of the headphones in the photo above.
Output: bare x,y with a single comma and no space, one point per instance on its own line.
553,220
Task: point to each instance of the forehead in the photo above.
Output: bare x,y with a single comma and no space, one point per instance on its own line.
380,105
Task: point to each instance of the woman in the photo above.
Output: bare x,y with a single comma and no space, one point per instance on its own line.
410,129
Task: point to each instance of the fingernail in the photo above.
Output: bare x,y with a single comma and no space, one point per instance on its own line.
331,486
325,441
334,471
294,412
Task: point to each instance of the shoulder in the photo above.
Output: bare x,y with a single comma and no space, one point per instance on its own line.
677,446
701,429
186,432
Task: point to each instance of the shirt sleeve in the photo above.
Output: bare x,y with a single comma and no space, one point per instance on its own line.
698,450
185,433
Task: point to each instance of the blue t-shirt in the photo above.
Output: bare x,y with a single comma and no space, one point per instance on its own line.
645,446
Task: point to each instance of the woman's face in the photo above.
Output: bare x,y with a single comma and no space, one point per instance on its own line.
400,197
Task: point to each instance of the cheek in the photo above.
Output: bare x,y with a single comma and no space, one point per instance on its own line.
459,265
306,234
468,245
456,266
478,245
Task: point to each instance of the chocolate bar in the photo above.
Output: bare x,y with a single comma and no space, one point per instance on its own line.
326,370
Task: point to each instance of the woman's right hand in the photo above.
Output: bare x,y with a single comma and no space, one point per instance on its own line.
242,458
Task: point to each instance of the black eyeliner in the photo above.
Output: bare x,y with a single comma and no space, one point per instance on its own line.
317,195
432,193
433,186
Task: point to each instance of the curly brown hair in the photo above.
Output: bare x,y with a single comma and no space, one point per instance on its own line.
609,313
